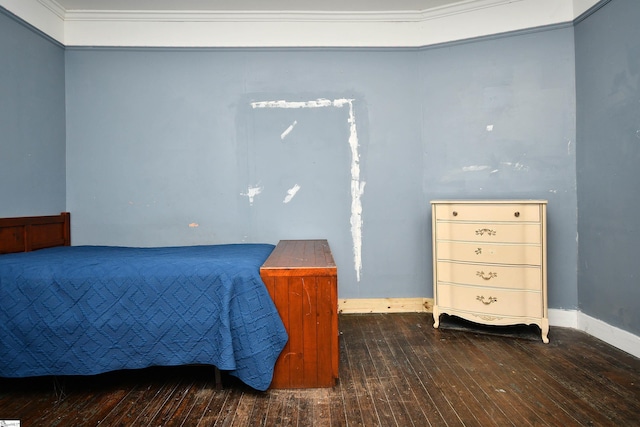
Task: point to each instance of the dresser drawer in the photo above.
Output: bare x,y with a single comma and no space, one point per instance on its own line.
497,302
490,275
486,232
488,253
488,212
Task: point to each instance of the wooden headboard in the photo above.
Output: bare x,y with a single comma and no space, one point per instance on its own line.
28,233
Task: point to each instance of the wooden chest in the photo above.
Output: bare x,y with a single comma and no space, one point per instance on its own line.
490,261
301,277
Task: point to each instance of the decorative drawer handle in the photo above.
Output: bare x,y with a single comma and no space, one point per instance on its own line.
491,300
482,231
489,275
455,213
478,251
516,214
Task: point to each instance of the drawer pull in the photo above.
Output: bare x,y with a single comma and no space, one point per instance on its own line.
455,213
478,251
489,275
516,214
482,231
491,300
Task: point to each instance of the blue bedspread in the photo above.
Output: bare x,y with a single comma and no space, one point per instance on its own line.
84,310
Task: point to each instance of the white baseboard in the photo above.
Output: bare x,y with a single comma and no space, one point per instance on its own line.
563,318
621,339
617,337
574,319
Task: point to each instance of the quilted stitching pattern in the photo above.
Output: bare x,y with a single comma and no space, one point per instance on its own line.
84,310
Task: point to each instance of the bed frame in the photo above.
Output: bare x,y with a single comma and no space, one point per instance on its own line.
29,233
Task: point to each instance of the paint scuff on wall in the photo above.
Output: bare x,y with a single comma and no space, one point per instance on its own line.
357,185
516,166
288,130
475,168
251,193
291,193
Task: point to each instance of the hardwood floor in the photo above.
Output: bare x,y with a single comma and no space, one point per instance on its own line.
395,370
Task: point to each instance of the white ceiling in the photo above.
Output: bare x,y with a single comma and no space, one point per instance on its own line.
256,5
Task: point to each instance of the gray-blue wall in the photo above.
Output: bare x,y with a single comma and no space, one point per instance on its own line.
162,147
608,159
162,139
32,121
158,140
498,121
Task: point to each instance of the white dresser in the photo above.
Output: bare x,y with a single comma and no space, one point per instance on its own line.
490,261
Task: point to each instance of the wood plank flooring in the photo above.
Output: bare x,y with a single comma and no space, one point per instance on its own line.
395,370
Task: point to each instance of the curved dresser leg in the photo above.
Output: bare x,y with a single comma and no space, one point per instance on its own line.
544,325
436,317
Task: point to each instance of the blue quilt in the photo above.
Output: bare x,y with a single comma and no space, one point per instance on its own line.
83,310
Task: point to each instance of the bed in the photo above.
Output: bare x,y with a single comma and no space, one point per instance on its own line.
85,310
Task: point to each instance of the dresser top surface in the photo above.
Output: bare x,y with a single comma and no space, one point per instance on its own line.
488,201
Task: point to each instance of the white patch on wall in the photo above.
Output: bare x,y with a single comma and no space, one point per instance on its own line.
288,130
489,128
516,166
475,168
317,103
291,193
357,186
251,193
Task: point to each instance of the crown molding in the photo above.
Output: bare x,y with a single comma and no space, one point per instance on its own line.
160,28
37,15
582,6
54,7
465,6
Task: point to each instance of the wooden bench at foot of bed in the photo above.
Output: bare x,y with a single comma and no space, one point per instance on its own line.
301,277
